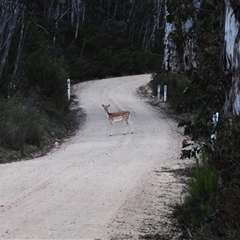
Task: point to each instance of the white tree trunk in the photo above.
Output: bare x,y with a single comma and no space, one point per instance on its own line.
158,9
21,43
72,11
171,62
232,56
189,55
78,8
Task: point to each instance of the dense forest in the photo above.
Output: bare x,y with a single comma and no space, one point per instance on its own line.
201,67
191,45
43,43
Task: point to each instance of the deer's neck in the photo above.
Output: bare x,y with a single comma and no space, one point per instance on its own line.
108,114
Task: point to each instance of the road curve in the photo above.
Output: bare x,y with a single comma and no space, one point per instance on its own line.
95,186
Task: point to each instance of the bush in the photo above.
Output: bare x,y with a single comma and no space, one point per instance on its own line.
108,62
20,124
226,155
46,76
203,183
198,202
177,85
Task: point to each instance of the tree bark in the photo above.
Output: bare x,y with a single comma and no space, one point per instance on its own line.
158,10
9,28
232,58
78,8
20,44
170,60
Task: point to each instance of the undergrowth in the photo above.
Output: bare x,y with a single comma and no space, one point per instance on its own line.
27,128
210,209
177,86
202,187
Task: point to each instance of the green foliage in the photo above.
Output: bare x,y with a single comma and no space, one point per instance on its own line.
37,100
107,63
198,203
20,124
124,62
177,87
225,156
27,128
211,207
229,209
205,89
47,75
203,183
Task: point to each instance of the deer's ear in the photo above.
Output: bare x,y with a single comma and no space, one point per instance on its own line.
102,105
108,105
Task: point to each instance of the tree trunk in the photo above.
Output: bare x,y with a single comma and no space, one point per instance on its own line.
20,44
78,9
232,58
72,12
158,10
77,27
145,33
189,55
9,30
115,9
170,60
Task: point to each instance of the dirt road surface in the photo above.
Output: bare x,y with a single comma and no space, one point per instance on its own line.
95,186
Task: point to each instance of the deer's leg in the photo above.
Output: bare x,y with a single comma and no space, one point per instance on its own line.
132,126
126,127
111,132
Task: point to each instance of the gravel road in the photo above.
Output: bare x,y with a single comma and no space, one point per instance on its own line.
95,186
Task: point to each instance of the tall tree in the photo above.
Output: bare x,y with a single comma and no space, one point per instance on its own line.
180,17
9,17
232,55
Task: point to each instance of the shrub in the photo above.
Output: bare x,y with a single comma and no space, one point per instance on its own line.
46,76
108,62
202,187
225,156
204,181
20,124
177,85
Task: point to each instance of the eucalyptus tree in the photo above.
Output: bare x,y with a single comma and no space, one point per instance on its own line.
107,24
180,38
11,12
231,56
209,48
